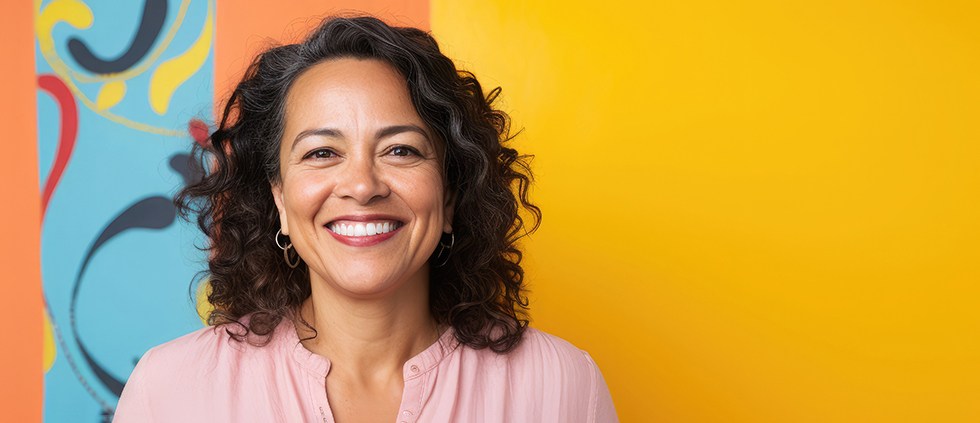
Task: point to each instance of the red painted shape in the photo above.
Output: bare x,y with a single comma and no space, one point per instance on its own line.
199,131
69,132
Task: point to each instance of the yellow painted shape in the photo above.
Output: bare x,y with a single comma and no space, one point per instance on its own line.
84,20
77,14
110,94
754,211
204,308
172,73
50,348
72,12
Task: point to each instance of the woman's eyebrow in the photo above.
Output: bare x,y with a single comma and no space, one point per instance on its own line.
323,132
382,133
398,129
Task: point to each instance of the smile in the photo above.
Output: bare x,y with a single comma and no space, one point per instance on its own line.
363,229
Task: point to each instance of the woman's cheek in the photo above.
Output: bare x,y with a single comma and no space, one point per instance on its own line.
421,191
311,192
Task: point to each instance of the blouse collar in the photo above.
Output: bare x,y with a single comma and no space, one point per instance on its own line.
319,365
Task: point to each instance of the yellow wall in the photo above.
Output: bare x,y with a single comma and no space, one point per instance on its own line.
754,211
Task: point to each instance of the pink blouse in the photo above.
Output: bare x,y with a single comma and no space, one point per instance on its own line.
208,377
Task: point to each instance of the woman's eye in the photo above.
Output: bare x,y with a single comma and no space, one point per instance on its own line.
320,154
403,151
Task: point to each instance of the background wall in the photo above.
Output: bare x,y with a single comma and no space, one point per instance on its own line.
21,350
757,211
754,212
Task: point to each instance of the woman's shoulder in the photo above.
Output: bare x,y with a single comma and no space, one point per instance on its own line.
198,349
549,352
573,369
551,370
541,341
539,355
227,344
193,369
208,338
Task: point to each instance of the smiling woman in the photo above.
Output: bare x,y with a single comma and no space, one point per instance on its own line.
362,211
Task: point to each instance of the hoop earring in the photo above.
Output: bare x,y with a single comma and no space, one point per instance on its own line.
285,250
447,249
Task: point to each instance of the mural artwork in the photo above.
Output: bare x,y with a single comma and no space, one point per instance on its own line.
124,89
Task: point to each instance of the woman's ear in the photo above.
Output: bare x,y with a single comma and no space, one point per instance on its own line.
280,204
448,210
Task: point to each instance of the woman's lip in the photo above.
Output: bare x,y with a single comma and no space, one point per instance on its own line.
365,218
363,241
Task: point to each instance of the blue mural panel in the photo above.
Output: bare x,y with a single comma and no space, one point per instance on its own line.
119,84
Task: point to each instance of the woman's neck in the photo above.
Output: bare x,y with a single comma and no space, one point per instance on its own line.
369,340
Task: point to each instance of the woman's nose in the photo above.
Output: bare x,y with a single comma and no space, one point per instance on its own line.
361,181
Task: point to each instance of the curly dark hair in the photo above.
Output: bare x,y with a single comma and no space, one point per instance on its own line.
480,291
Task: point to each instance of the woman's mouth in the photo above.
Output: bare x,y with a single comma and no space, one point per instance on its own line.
359,229
358,233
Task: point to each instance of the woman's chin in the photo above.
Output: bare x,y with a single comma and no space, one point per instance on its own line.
366,291
366,285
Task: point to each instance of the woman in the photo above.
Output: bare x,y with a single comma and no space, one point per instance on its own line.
362,219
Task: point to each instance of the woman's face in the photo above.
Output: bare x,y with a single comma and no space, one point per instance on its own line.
361,194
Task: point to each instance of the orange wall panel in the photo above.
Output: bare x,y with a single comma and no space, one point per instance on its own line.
245,31
20,304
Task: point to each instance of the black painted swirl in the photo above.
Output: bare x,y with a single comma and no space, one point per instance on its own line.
156,212
154,15
149,213
190,171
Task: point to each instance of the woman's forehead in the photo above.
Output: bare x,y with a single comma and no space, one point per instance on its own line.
347,90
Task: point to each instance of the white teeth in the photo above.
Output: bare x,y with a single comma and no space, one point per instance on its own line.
361,229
